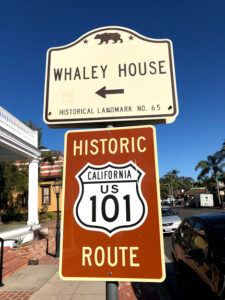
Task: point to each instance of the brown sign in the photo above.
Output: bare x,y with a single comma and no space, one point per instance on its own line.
111,216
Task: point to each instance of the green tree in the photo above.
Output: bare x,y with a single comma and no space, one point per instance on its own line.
220,155
50,156
213,166
36,128
13,180
185,183
171,181
171,184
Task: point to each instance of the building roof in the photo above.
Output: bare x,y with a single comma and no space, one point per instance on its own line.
54,169
198,190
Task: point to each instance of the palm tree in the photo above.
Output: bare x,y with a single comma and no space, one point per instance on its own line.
213,166
210,166
170,180
221,156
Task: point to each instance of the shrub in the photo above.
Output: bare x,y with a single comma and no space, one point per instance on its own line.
12,214
50,215
47,215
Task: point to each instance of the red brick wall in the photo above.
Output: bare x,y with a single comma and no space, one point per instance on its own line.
16,258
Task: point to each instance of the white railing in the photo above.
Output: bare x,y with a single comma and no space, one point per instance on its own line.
18,128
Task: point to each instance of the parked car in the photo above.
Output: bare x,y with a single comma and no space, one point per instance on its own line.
198,251
168,201
170,219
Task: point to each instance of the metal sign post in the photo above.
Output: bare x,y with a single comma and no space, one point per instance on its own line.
112,290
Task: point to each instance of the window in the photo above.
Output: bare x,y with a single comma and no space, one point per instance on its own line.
185,230
199,238
46,199
218,234
167,212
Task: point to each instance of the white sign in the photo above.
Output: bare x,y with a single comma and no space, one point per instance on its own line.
110,74
110,198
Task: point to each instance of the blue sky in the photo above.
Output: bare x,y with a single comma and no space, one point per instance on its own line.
196,28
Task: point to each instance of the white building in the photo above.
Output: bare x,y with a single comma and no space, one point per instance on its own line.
19,142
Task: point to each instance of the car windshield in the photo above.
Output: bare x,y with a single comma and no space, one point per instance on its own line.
167,212
218,233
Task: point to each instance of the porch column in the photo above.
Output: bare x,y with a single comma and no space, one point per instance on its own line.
33,193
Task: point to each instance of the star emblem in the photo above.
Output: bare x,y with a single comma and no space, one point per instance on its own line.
85,41
131,37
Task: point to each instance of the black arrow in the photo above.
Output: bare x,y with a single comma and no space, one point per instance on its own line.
103,92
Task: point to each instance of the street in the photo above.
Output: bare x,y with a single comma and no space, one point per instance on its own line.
173,288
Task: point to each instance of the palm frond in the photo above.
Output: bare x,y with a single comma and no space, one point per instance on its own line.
202,165
203,173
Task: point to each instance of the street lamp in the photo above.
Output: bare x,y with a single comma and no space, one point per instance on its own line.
57,188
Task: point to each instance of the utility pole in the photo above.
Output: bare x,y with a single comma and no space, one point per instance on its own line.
218,192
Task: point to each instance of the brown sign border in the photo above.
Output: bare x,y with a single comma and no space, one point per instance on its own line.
159,214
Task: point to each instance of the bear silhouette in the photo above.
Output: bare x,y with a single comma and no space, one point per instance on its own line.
106,37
